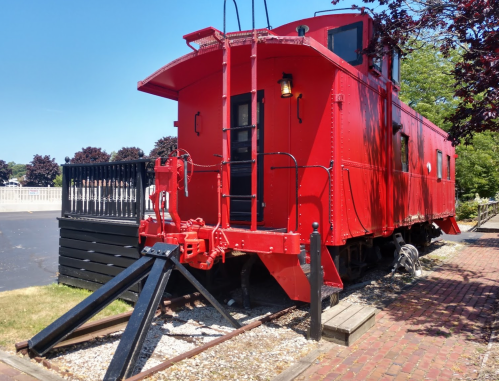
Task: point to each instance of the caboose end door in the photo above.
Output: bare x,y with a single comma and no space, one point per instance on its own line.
240,174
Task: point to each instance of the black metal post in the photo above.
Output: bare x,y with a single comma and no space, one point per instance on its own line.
316,280
66,181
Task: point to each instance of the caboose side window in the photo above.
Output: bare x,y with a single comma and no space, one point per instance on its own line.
439,164
346,42
448,167
404,152
396,66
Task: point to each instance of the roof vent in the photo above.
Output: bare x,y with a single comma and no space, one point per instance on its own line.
302,29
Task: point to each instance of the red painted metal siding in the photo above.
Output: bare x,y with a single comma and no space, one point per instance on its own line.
343,111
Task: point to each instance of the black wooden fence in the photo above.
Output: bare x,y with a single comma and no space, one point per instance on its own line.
113,190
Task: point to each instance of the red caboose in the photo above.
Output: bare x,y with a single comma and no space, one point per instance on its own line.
281,128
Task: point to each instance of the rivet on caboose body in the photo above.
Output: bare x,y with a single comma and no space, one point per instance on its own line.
281,128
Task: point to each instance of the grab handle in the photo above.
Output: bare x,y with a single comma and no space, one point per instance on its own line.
298,108
196,122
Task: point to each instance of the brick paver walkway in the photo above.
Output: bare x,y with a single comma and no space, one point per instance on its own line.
435,331
8,373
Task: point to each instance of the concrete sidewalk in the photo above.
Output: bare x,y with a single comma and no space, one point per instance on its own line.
438,330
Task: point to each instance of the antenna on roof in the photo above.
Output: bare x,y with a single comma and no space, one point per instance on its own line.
267,13
237,14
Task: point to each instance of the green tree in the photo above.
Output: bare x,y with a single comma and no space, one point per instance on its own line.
427,83
18,170
477,166
58,179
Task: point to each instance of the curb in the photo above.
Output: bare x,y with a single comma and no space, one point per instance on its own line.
28,367
304,363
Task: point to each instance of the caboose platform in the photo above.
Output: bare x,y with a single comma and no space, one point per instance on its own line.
345,323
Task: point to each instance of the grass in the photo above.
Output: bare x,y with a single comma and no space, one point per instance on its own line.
25,312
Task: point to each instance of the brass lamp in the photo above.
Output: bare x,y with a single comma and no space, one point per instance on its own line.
286,84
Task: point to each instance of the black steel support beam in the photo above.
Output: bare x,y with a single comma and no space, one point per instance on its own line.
62,327
205,293
132,340
158,264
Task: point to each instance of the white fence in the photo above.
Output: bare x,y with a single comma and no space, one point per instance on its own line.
18,199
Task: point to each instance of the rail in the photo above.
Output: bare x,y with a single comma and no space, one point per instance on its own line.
486,212
111,190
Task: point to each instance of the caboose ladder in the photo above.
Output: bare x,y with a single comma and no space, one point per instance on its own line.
226,127
226,134
254,120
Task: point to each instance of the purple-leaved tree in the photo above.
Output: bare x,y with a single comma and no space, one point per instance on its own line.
90,155
5,171
41,171
127,153
163,147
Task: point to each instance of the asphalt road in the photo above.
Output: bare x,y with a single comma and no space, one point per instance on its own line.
29,249
464,237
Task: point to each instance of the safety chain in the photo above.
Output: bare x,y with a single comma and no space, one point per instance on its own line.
205,166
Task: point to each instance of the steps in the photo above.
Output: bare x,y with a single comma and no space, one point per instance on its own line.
344,323
326,291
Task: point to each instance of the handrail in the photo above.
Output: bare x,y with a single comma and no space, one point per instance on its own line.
296,178
361,9
484,212
329,181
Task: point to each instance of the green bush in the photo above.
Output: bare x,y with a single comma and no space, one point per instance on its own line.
467,210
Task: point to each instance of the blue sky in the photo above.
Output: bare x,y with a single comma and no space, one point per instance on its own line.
69,69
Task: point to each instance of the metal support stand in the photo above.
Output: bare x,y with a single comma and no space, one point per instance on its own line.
316,281
157,264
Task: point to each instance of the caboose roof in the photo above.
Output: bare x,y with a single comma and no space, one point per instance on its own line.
192,67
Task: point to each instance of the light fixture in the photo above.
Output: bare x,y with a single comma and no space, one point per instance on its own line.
286,84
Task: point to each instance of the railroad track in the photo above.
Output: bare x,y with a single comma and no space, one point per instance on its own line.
109,325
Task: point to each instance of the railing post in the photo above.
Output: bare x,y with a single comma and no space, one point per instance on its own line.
66,179
316,280
479,216
141,185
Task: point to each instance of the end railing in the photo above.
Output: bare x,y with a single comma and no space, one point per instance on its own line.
112,190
